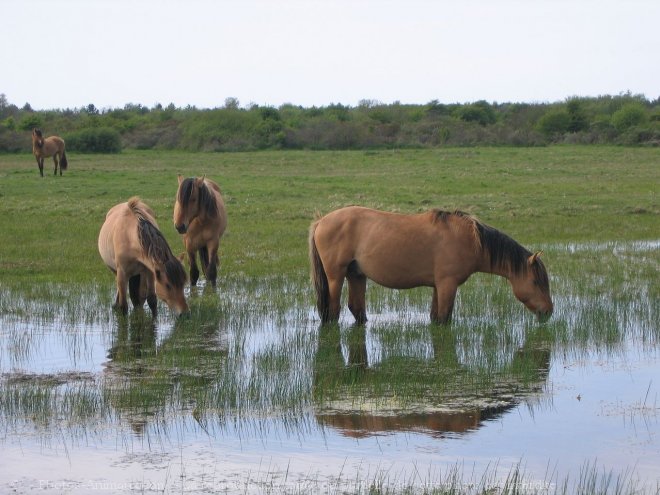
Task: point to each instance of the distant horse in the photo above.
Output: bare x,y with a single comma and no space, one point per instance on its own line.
50,146
199,214
135,250
435,249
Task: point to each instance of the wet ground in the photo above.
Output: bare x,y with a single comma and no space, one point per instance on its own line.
251,395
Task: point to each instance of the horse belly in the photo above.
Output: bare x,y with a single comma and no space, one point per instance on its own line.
106,246
397,270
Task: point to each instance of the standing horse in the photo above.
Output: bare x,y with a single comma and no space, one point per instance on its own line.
199,214
51,146
435,249
135,250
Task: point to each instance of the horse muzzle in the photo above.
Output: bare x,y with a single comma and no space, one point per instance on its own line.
182,228
543,316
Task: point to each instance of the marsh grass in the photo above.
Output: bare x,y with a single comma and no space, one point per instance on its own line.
252,358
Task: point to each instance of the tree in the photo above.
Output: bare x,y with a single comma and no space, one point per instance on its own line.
231,103
577,119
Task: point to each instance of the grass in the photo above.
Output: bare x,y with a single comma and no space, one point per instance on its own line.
538,196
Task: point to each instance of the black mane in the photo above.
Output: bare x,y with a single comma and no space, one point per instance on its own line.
503,251
155,245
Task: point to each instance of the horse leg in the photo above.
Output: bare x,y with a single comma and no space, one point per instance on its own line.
40,164
121,303
357,288
150,291
55,162
211,271
444,295
335,283
194,271
134,284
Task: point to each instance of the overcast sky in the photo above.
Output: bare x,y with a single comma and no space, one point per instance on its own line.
70,53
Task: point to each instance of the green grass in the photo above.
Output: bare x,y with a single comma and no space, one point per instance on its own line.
538,196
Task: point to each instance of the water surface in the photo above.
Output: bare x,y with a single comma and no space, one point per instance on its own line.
250,394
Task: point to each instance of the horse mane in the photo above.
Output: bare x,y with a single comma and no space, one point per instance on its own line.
464,219
155,245
206,197
503,251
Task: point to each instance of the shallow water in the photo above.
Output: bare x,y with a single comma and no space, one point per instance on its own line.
250,395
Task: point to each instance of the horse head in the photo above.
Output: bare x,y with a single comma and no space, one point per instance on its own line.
187,205
37,137
170,279
532,288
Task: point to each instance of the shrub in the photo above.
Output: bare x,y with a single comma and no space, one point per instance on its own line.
29,122
577,118
480,112
554,122
95,140
629,115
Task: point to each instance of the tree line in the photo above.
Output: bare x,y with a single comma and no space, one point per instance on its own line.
626,119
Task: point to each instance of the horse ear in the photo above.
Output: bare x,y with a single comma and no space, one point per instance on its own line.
180,178
532,259
200,180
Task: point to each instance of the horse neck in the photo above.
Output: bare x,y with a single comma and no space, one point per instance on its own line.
502,255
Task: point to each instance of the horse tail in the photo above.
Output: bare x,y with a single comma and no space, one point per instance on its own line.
318,276
63,163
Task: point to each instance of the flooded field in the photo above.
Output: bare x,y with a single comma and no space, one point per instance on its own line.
251,395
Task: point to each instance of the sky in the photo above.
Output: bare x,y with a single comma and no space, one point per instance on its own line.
57,54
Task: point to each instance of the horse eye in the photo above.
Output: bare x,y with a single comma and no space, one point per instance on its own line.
169,287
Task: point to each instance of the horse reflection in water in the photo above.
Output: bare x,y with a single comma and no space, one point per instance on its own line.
342,387
146,377
436,249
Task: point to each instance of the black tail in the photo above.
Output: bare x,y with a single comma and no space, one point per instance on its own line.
63,163
319,278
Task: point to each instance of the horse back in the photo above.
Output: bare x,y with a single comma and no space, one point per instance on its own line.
394,250
118,243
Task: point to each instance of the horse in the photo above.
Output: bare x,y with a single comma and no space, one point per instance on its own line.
134,249
200,216
50,146
437,248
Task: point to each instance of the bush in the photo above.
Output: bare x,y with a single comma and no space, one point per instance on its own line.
554,122
480,112
95,140
29,122
629,115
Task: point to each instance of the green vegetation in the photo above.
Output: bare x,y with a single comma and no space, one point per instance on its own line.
538,196
623,119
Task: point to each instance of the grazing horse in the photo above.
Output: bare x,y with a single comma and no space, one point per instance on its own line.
436,249
135,250
199,214
50,146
